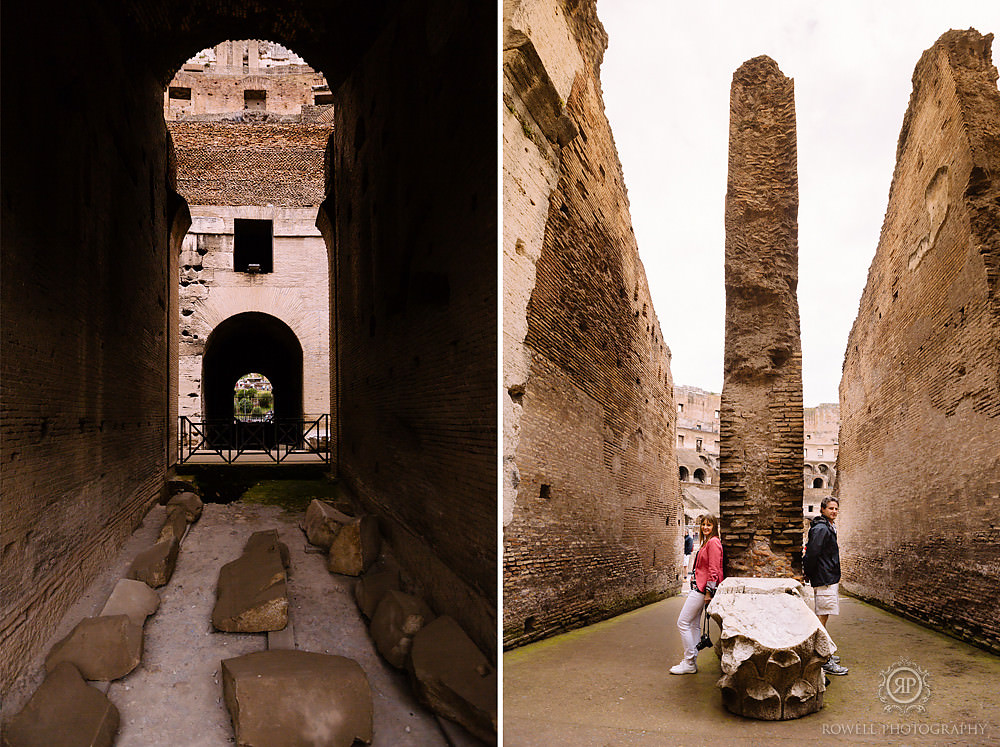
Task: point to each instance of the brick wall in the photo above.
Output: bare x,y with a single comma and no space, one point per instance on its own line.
760,496
84,319
255,163
920,373
416,302
595,524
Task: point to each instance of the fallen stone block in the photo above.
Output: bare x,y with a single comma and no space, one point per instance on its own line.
174,525
398,618
64,712
156,565
453,678
355,547
267,540
278,698
102,648
371,587
252,595
191,504
322,523
772,648
132,598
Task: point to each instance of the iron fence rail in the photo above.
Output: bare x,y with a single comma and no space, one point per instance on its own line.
229,440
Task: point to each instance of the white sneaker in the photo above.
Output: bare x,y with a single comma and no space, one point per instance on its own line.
685,667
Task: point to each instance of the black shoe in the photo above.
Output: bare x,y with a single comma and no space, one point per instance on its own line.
826,681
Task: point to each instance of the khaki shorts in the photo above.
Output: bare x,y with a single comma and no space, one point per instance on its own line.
827,599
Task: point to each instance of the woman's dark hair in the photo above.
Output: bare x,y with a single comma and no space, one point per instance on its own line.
823,504
715,525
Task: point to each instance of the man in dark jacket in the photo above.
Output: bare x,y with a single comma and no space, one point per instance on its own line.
821,564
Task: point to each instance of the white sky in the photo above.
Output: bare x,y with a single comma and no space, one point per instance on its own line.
666,79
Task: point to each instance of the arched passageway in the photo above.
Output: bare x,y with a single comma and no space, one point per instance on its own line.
246,343
89,275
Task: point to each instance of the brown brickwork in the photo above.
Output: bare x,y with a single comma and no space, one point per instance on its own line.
251,163
919,462
761,415
595,525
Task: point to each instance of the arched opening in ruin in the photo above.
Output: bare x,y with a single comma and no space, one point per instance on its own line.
699,475
248,343
823,469
684,474
253,398
818,482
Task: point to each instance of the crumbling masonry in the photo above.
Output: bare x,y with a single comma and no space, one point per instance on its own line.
922,369
760,498
591,500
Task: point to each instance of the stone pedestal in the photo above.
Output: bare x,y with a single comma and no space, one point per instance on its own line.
772,648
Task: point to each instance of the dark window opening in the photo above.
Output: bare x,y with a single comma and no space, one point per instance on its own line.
699,475
321,99
684,474
182,94
818,482
252,246
255,100
545,492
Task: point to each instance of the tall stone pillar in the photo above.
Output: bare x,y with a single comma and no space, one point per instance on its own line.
761,416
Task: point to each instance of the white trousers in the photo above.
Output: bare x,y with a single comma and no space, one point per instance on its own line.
689,623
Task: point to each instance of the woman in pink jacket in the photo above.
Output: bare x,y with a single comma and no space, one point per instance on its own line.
707,576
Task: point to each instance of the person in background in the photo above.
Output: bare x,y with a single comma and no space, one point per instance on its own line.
821,565
707,576
688,548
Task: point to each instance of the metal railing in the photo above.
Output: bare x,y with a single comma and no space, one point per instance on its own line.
231,439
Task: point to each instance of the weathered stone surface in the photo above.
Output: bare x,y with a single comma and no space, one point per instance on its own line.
761,420
252,595
922,361
397,619
292,698
453,678
322,523
102,648
132,598
267,541
588,414
772,648
371,587
191,504
174,525
156,565
355,547
64,712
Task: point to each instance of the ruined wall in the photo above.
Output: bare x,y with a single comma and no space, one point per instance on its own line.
236,163
922,368
761,416
592,508
263,171
416,305
84,287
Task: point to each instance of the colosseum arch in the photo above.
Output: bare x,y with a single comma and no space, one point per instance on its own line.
410,221
817,482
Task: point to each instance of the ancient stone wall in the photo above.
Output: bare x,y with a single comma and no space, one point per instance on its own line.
416,304
235,163
761,417
592,509
921,369
84,434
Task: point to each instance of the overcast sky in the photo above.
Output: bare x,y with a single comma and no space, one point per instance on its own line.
666,79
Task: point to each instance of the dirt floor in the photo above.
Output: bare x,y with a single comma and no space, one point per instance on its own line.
174,697
609,685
